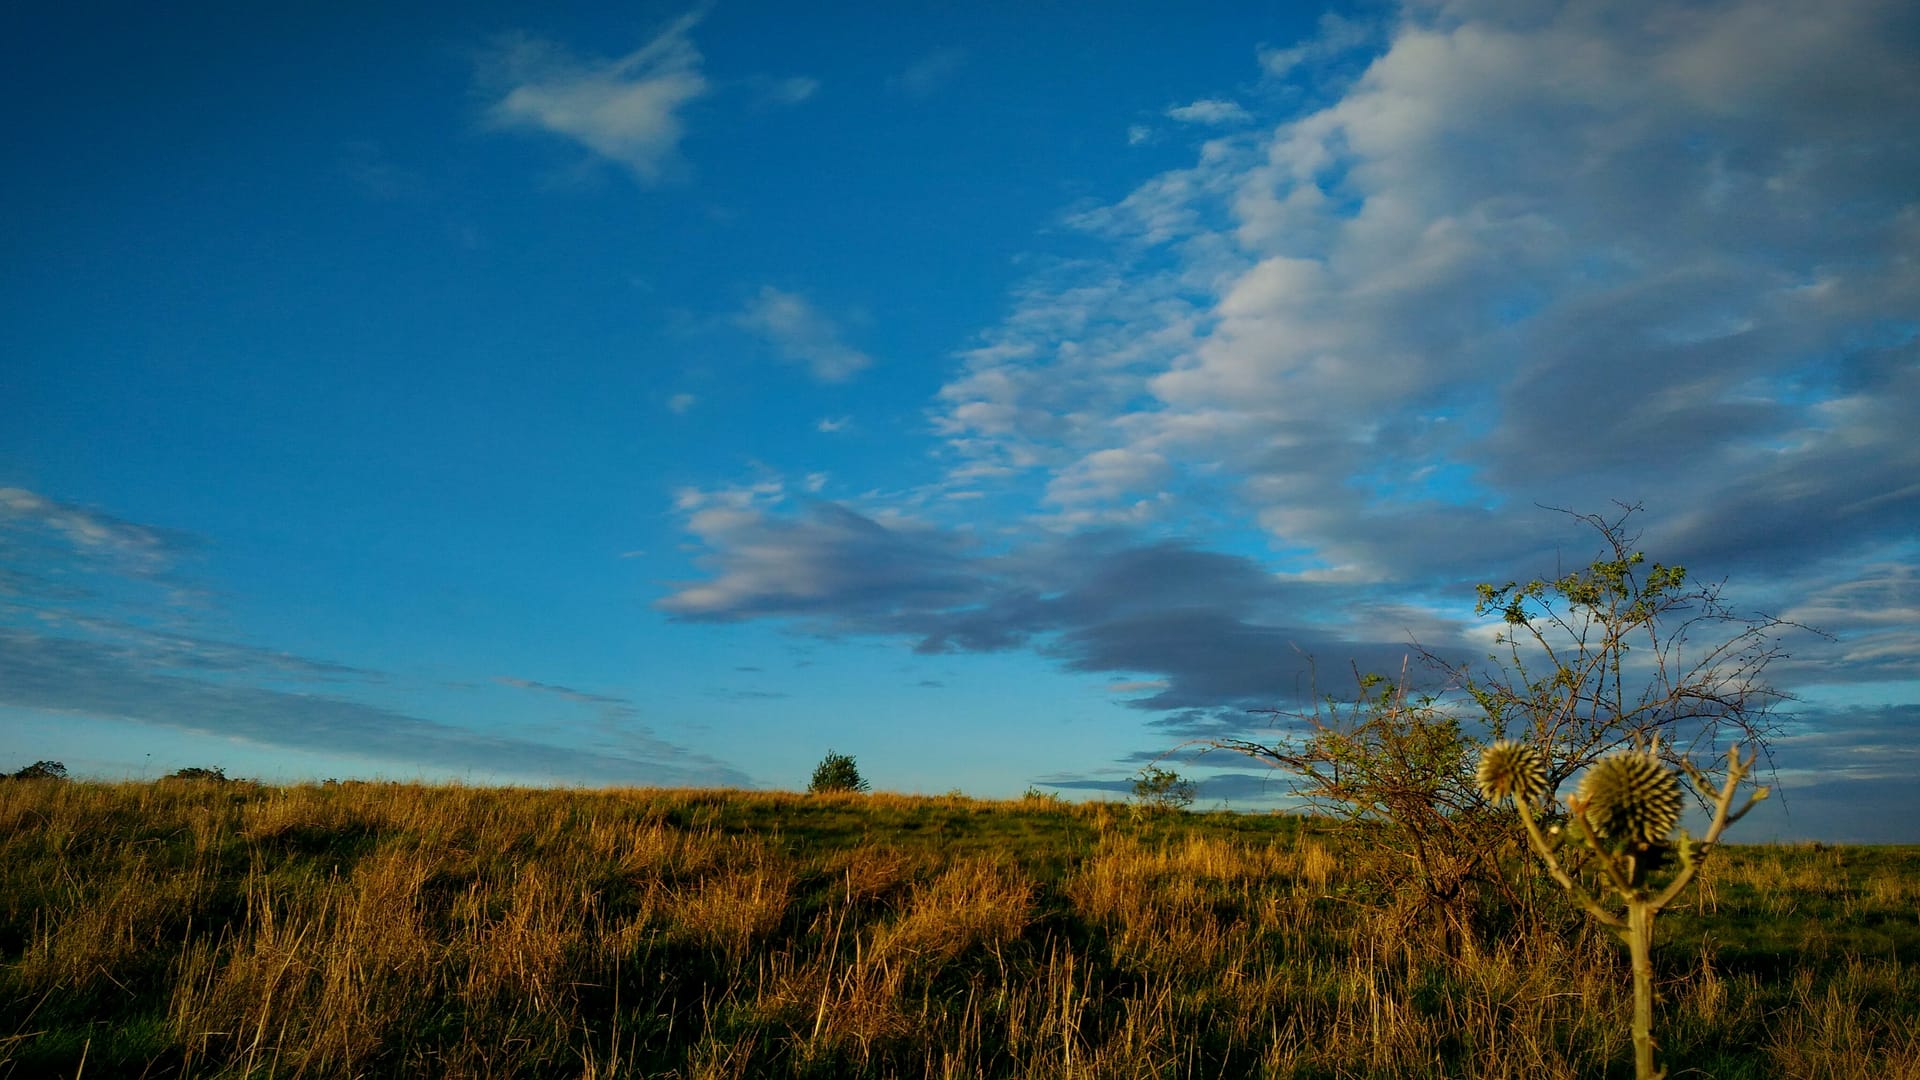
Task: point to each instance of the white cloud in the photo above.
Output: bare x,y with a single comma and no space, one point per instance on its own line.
767,492
1213,112
1106,475
830,424
680,404
626,110
802,335
1139,135
1520,257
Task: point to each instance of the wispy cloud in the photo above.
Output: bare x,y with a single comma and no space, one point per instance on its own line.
369,168
79,635
681,404
802,335
1336,35
1212,112
138,547
626,109
79,676
790,91
569,693
931,72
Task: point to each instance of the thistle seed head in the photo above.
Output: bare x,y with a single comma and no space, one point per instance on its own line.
1631,796
1511,770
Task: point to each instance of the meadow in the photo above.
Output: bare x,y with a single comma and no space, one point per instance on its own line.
204,929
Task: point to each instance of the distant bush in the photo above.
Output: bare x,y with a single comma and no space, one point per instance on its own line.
216,774
837,772
1162,789
42,770
1044,798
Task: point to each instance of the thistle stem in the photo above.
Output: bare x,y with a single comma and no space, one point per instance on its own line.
1545,851
1639,937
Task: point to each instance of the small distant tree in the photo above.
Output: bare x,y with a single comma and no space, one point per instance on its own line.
42,770
216,774
1042,797
837,772
1162,790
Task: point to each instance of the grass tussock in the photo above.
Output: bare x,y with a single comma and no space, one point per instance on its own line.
227,930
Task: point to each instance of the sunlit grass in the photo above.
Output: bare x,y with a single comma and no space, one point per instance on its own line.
199,929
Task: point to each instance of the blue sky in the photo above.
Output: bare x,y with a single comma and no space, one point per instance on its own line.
1001,394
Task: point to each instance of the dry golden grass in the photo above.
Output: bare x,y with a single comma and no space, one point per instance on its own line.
203,930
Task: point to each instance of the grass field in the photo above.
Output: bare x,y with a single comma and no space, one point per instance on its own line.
203,929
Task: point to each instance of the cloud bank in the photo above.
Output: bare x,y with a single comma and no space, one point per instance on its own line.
1491,259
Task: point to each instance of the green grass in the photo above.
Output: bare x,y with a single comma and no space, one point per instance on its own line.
210,930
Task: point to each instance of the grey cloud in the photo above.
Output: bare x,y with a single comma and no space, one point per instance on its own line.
1117,787
1210,658
831,563
1845,482
1872,616
732,694
1844,774
192,653
567,692
1211,627
1265,788
1833,744
1262,788
1848,812
1224,723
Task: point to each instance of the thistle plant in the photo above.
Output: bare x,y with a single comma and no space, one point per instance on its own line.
1621,820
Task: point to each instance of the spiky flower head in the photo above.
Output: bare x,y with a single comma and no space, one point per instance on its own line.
1632,796
1511,769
